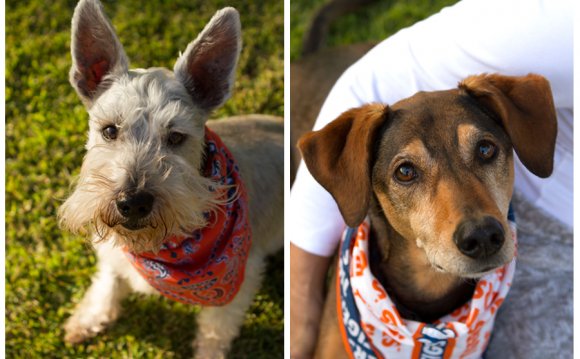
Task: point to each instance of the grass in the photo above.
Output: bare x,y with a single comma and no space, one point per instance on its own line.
47,270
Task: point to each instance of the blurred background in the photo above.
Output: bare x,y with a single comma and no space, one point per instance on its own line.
365,21
48,270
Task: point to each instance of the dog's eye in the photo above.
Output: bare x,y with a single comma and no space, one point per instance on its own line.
175,138
405,173
110,132
486,150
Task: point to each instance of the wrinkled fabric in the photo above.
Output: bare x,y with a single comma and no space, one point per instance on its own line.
372,327
206,267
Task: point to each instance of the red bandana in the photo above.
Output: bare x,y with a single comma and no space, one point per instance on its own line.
207,267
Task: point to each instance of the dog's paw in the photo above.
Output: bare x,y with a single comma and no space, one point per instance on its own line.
83,326
76,333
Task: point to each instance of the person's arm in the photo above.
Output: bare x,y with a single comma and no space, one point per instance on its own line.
307,279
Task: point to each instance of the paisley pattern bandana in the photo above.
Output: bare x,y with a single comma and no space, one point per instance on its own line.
208,266
372,327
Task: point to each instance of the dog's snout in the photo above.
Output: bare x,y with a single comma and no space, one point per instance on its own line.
479,239
135,205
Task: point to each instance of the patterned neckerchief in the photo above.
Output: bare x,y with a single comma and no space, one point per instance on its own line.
208,266
371,326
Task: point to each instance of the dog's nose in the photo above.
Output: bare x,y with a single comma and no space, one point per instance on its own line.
135,205
479,239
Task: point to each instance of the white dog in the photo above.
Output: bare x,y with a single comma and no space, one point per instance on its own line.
160,194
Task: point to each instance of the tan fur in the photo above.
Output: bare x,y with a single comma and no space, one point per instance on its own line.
501,190
466,132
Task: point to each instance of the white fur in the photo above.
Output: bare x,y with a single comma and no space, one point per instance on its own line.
145,106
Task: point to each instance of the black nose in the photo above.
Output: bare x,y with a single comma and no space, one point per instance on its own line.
135,205
479,239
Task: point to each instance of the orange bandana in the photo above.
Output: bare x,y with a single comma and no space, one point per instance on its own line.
207,267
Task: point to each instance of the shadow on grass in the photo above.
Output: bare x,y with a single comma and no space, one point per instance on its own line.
171,326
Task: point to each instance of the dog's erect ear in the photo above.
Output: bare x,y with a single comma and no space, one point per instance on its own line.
97,53
207,67
526,110
339,157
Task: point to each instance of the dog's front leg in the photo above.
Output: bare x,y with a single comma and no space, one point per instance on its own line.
100,305
218,326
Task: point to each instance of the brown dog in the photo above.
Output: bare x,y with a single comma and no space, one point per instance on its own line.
434,173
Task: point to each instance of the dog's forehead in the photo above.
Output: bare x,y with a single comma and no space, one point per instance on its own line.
435,117
439,109
437,121
151,95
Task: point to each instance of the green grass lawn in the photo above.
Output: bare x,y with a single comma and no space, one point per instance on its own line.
47,270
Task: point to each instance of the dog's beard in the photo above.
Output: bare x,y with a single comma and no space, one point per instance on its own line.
182,204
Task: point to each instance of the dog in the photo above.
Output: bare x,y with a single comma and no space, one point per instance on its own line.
434,174
158,180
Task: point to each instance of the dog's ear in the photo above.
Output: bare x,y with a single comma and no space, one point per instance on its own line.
97,53
526,110
207,67
339,157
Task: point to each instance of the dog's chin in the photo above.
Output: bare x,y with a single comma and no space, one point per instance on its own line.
471,271
480,273
136,237
133,225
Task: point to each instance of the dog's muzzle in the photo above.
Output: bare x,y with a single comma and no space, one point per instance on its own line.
134,206
479,238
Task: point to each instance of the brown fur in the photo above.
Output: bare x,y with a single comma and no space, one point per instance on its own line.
311,79
526,109
348,160
413,250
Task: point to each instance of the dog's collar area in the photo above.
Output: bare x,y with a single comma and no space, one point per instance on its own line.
208,266
407,313
424,310
372,325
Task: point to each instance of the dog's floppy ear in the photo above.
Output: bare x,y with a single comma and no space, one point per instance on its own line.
97,53
339,157
526,110
207,67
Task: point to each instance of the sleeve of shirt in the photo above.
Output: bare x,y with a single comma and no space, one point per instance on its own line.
513,37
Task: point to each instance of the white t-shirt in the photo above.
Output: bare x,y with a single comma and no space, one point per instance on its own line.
510,37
